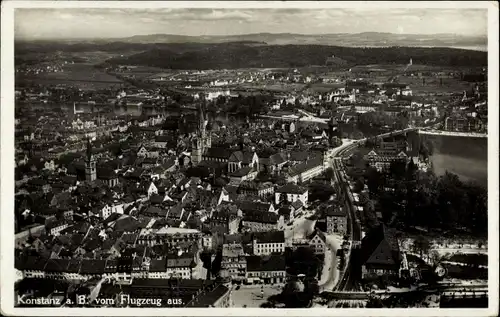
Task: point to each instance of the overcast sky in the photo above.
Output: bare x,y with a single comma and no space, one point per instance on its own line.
115,23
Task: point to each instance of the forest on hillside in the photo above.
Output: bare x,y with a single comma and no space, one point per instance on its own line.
254,54
237,55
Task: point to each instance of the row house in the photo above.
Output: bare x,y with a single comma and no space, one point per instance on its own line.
257,222
254,207
230,222
464,124
317,241
268,242
233,263
255,189
266,269
291,193
306,171
336,220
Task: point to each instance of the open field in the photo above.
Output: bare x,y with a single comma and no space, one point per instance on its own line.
144,72
92,57
433,85
84,76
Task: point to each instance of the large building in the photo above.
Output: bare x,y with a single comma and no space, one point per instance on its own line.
291,193
382,162
265,243
380,253
234,264
318,242
336,221
269,269
306,171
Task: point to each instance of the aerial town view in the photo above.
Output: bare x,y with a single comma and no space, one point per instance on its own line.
251,158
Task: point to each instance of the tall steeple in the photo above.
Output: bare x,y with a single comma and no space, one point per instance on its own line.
199,142
90,164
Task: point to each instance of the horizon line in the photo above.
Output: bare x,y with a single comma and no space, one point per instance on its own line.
244,34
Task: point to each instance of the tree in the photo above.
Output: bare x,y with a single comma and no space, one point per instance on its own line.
329,173
335,142
434,257
398,169
364,198
373,180
426,148
370,215
421,245
359,185
321,191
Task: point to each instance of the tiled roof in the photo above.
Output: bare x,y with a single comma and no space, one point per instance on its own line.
92,266
276,159
242,172
249,206
265,263
305,166
335,211
183,261
261,217
235,250
32,263
56,265
269,237
222,153
297,204
389,250
291,188
158,265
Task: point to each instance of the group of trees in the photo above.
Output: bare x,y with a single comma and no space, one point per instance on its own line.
320,190
426,200
242,106
378,119
299,291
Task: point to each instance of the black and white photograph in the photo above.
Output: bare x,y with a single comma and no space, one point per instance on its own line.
250,158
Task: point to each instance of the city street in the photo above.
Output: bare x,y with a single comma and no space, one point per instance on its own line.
199,272
330,273
300,228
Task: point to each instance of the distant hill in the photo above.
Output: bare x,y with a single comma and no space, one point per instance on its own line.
373,39
366,39
237,55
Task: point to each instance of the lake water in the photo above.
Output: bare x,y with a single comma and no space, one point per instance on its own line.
465,156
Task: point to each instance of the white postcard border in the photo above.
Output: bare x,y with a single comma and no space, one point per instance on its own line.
7,162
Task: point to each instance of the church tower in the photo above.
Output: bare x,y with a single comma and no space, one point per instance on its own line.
201,142
90,164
